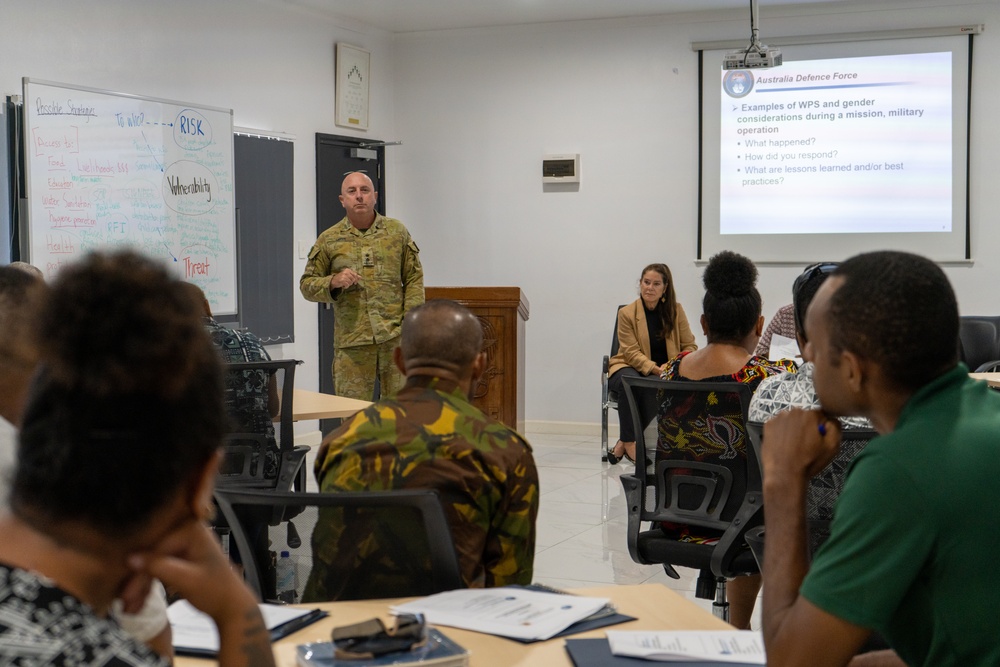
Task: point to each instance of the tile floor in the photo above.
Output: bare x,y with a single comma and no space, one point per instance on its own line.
581,521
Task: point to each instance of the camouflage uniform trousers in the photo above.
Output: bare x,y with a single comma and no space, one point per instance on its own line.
355,370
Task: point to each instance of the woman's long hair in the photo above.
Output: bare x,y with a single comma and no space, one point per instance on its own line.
666,307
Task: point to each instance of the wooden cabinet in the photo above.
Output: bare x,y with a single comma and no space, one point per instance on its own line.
503,312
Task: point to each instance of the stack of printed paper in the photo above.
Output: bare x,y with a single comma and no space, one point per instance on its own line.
507,612
716,646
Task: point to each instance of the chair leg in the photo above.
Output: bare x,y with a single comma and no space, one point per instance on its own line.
720,607
604,432
710,587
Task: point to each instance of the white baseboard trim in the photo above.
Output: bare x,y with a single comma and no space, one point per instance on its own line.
309,439
570,428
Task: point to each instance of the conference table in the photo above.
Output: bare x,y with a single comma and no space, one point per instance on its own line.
316,405
655,607
993,379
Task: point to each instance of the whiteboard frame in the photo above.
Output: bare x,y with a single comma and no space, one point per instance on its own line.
27,227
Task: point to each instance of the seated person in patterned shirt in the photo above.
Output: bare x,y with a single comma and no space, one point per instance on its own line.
782,324
252,396
795,390
430,436
119,448
732,322
22,295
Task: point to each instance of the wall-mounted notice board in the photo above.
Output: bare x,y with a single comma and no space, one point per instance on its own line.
106,170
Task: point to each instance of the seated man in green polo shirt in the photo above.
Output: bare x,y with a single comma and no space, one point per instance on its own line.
908,537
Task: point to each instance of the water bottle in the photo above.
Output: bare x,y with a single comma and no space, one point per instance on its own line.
286,580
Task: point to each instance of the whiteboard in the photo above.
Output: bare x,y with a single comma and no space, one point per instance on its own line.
106,170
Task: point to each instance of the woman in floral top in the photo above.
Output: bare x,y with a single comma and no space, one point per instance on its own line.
732,324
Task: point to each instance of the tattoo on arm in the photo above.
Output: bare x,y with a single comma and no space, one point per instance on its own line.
256,645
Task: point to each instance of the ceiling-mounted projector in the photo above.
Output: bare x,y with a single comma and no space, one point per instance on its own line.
756,55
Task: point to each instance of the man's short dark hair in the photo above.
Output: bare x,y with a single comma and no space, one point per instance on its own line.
441,333
898,310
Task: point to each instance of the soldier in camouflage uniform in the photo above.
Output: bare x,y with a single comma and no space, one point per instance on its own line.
429,436
368,267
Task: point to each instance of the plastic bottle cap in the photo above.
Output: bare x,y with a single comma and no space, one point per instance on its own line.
284,554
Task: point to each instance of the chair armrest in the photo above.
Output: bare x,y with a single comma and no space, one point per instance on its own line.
635,497
291,464
749,516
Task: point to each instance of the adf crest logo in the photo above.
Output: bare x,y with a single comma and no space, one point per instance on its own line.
738,83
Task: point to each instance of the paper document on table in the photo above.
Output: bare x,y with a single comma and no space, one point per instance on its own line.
507,612
194,632
783,347
733,646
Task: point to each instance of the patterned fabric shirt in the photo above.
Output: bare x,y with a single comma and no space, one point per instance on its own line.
41,624
684,431
392,279
429,436
752,373
783,324
792,390
247,392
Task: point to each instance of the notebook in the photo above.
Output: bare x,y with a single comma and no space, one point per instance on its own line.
194,633
440,651
597,653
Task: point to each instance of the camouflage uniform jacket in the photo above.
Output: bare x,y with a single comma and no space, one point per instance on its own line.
392,280
430,437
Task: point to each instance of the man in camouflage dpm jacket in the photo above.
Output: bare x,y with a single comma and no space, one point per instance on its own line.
429,436
368,267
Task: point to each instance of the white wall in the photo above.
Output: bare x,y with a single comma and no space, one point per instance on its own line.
477,109
271,63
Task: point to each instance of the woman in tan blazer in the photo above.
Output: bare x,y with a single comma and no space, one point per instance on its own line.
652,330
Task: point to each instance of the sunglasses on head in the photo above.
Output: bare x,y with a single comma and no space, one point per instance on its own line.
807,275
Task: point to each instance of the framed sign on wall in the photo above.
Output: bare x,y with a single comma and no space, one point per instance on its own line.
353,67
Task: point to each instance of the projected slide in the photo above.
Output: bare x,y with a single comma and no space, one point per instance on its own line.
838,146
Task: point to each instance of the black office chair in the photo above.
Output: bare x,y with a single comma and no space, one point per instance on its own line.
708,481
979,341
258,456
609,399
255,455
412,523
824,488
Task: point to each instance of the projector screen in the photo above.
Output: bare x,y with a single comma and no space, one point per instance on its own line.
846,147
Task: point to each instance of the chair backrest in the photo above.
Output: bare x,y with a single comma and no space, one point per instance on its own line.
255,455
704,474
979,338
358,545
614,335
825,487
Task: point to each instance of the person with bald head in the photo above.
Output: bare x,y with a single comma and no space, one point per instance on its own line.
368,267
430,436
